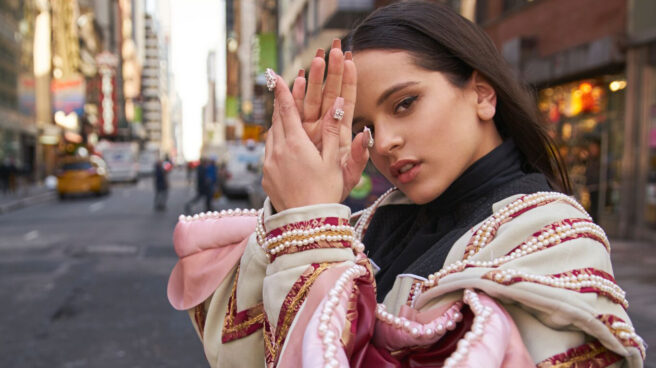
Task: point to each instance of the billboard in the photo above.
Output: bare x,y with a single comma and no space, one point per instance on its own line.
68,94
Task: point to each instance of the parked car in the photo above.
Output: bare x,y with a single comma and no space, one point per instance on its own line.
242,166
121,158
82,176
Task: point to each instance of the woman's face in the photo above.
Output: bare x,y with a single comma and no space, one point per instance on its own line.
426,131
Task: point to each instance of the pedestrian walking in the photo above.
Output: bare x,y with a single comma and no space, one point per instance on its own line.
477,257
161,185
204,185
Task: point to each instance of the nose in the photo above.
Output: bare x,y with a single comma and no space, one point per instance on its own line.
386,139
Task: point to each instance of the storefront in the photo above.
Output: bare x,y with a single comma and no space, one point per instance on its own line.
585,119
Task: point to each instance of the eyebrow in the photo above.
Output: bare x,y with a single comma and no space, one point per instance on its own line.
390,91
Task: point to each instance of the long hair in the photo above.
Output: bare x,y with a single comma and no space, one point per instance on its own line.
441,40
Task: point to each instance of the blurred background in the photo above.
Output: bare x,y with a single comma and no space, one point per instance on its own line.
116,116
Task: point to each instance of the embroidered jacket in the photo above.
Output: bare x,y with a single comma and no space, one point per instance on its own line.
530,285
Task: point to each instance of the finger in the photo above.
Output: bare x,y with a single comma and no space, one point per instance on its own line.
287,112
356,161
276,130
333,85
298,91
349,92
330,133
312,104
268,144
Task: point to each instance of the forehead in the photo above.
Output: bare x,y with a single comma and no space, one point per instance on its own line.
384,65
379,70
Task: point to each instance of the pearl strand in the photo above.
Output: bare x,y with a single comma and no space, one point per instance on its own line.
482,314
306,233
416,329
217,214
310,240
486,232
325,331
572,282
627,332
260,234
531,246
368,212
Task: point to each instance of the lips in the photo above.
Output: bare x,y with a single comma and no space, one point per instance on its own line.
405,170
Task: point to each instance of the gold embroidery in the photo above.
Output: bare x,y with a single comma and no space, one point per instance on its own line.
251,317
588,355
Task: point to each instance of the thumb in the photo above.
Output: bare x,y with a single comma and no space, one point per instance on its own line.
330,131
356,161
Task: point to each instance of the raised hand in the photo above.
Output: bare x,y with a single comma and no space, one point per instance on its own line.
298,173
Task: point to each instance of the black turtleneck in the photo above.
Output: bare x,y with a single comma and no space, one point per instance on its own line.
417,238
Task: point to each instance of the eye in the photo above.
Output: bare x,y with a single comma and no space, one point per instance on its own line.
404,104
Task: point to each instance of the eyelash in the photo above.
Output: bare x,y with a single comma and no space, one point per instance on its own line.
409,101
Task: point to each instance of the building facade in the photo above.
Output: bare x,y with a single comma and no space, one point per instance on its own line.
589,64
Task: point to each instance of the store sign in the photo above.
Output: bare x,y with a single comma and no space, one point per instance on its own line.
108,119
26,94
68,94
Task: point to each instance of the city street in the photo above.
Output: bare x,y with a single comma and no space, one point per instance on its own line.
84,283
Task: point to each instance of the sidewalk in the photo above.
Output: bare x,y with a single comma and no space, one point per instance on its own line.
24,196
634,266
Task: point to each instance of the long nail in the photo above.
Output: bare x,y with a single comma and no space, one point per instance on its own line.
321,53
348,55
301,73
366,139
337,44
271,78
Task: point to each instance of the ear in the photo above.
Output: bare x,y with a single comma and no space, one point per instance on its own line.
486,101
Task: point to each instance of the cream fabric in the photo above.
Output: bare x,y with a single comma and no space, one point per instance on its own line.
550,320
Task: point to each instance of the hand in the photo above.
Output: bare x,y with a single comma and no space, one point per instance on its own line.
295,172
341,80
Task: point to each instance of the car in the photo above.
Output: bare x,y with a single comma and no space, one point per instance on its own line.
121,159
82,176
241,168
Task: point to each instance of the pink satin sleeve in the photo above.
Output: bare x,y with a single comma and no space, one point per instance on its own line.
208,249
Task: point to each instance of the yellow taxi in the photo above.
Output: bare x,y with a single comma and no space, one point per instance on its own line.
82,176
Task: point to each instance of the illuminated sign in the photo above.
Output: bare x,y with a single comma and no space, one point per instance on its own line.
107,111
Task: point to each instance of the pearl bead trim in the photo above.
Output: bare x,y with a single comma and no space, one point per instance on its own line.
487,231
365,217
217,214
563,233
329,333
481,316
418,330
623,331
329,232
581,282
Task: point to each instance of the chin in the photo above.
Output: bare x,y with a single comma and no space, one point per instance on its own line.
419,196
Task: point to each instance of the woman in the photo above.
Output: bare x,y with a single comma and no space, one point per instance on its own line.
475,260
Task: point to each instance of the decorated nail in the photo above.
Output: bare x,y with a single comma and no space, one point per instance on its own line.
339,112
270,77
368,139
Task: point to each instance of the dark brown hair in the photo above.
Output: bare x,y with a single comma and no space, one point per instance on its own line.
441,40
